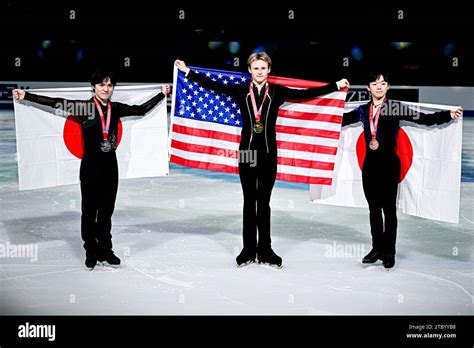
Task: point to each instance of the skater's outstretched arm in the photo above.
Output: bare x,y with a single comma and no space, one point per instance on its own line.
435,118
295,94
351,117
79,106
231,90
143,109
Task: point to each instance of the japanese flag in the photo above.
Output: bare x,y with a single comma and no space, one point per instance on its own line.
49,145
430,178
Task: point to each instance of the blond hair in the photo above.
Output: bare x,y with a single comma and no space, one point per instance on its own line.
259,56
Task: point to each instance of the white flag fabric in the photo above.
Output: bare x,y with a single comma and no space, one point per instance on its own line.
430,183
47,151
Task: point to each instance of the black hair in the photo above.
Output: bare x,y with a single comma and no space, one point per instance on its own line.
374,75
100,75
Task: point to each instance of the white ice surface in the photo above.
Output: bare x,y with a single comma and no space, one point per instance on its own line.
178,237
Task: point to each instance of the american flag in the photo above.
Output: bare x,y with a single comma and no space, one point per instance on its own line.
206,126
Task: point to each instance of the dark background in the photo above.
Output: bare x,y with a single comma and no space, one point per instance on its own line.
53,47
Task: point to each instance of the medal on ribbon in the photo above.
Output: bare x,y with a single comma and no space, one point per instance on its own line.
374,121
105,145
258,127
373,144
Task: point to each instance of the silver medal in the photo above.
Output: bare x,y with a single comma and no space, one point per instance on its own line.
105,146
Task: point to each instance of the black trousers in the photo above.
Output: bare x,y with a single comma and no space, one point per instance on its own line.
99,184
257,184
380,173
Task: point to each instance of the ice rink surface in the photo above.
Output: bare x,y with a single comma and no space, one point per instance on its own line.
178,237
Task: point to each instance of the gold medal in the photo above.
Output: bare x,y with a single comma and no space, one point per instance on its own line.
258,128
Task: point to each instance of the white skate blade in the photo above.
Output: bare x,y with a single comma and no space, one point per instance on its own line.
106,264
370,265
266,264
245,264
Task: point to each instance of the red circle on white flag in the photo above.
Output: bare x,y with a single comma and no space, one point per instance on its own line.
73,139
404,150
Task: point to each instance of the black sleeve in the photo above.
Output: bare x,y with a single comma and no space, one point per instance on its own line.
139,110
230,90
78,107
439,117
295,94
351,117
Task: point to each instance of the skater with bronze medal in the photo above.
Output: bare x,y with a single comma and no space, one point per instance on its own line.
381,166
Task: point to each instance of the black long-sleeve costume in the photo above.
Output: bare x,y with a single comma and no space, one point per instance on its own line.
99,171
381,167
258,181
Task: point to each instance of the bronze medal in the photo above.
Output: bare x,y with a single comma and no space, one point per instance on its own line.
374,144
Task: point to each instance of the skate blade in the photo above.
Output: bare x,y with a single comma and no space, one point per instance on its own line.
271,265
375,265
245,264
106,264
369,265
